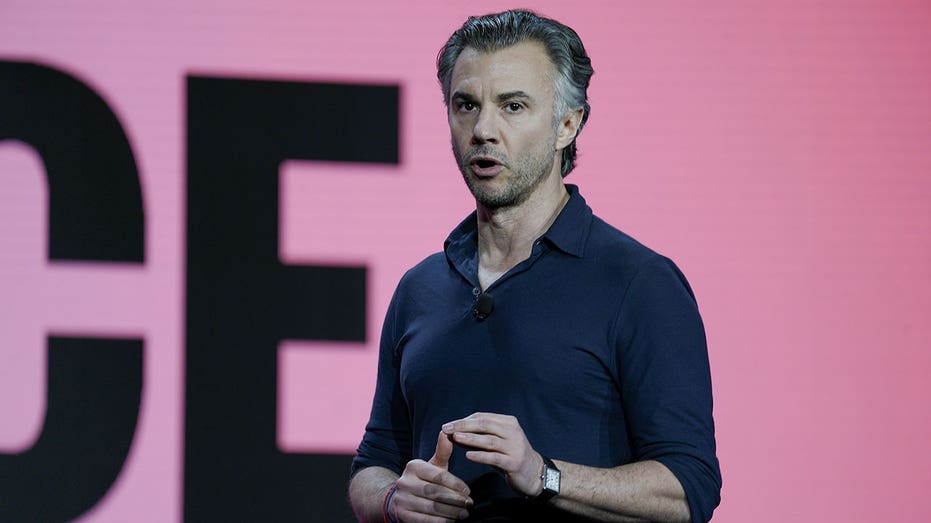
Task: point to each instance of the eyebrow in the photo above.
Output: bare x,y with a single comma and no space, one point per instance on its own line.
503,97
466,97
511,95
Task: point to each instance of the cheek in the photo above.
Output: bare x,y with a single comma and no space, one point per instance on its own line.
459,133
533,140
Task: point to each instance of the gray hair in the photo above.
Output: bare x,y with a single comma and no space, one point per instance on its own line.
496,31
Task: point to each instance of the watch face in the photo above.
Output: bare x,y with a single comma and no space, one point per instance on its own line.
551,480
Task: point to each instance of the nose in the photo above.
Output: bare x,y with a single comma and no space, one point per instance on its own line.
486,128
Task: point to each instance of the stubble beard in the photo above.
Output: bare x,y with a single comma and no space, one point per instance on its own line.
523,175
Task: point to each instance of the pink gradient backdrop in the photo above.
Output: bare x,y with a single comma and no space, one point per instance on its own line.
779,152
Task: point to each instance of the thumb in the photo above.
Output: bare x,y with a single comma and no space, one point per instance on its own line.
444,449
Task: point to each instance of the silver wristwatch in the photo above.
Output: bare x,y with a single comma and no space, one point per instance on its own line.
550,477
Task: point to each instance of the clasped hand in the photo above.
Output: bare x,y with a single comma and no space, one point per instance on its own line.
428,492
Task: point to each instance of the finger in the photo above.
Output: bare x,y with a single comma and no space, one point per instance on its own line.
482,423
424,474
502,462
473,441
444,449
423,509
422,499
435,494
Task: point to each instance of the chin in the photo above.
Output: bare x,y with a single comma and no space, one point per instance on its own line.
496,199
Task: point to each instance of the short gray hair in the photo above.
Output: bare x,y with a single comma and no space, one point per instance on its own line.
496,31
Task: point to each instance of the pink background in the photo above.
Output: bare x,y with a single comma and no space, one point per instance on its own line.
780,152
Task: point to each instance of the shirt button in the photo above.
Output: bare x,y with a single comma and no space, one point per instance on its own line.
476,291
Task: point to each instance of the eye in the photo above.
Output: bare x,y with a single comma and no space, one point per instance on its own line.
514,107
467,106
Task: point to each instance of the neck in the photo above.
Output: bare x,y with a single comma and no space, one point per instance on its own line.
506,235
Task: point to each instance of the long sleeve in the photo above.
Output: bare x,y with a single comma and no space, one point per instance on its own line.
666,382
387,439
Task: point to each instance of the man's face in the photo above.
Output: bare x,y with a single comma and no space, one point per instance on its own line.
501,121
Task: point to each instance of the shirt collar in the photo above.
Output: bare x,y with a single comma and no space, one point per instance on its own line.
570,230
568,233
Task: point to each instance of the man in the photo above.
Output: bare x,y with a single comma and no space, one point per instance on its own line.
545,366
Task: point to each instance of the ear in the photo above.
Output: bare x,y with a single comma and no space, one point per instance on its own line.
569,127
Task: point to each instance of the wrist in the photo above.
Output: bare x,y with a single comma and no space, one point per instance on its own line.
541,470
550,477
385,507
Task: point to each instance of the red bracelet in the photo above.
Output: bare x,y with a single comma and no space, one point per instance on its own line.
384,508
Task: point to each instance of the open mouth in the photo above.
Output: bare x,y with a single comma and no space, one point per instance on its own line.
485,167
484,164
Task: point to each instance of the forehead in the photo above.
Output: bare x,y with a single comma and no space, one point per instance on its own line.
520,67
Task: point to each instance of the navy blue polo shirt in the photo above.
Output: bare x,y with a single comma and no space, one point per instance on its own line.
595,345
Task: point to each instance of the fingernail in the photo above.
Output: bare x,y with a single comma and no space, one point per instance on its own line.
448,427
469,503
